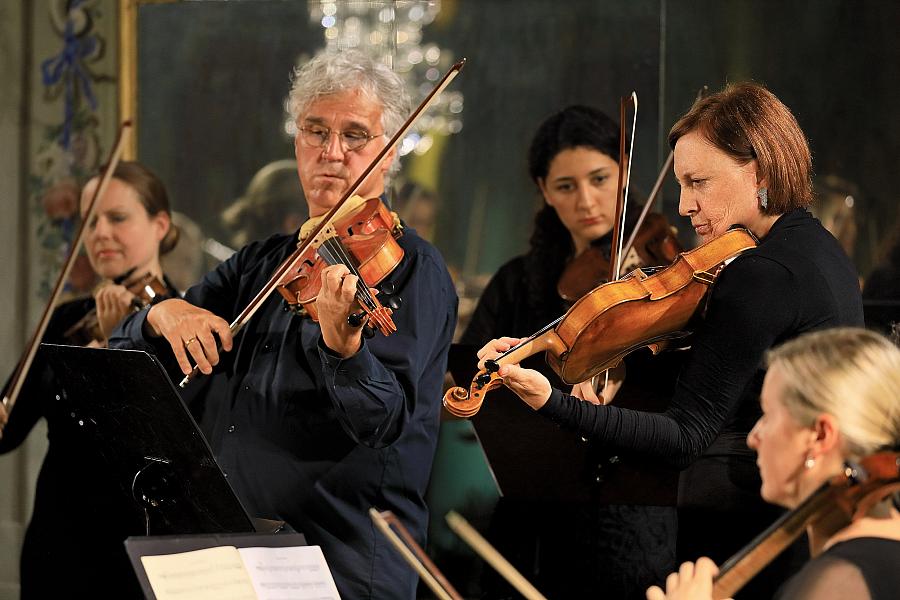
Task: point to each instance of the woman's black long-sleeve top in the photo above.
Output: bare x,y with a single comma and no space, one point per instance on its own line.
798,279
509,307
73,544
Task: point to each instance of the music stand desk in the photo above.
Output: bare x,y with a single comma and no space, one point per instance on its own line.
131,412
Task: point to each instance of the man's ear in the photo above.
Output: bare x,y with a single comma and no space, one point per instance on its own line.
388,160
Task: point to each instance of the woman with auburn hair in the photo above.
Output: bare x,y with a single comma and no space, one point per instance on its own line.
740,159
73,544
828,397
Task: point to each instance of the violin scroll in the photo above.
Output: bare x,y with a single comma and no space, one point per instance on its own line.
464,403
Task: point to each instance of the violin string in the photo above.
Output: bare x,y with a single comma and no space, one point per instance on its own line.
334,253
362,288
330,250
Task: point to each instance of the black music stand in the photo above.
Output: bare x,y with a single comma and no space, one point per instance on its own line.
533,459
131,413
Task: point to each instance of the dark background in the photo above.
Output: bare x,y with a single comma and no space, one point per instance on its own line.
213,77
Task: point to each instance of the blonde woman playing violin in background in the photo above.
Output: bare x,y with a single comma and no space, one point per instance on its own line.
828,397
73,544
573,162
740,158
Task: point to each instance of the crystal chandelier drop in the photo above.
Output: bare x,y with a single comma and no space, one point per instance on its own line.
391,30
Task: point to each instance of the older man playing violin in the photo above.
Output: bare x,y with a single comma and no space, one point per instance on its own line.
313,423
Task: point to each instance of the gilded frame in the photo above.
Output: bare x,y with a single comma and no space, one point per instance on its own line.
128,68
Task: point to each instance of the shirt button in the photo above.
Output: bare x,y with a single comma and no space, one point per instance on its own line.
231,429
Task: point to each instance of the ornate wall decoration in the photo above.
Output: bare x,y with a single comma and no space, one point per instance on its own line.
67,152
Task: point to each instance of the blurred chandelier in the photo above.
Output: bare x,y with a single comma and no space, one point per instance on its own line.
391,30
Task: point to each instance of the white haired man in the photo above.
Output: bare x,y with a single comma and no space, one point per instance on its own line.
312,423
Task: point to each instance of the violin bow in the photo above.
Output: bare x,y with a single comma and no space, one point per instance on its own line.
615,252
18,379
291,261
660,179
413,554
615,257
489,554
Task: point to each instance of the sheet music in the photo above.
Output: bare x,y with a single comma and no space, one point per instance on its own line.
291,573
209,574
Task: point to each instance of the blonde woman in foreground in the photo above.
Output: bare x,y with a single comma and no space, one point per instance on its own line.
828,397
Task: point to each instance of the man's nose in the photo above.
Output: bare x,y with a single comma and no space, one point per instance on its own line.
333,148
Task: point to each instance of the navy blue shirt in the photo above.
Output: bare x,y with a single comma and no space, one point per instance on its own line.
315,440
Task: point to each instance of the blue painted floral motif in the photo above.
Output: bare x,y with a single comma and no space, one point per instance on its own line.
68,66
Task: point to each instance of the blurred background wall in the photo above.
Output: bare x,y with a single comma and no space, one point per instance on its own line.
212,77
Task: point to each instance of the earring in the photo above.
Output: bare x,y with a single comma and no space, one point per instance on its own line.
763,195
810,462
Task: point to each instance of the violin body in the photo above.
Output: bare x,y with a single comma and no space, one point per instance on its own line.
147,289
655,244
365,238
616,318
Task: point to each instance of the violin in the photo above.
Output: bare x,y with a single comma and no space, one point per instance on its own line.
654,244
367,245
649,307
843,499
147,290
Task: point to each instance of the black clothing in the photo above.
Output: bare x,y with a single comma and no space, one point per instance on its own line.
315,440
881,297
606,529
73,544
860,568
797,280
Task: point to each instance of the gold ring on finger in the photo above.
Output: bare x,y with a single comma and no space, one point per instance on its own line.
189,342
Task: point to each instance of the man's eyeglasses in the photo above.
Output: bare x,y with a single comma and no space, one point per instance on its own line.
316,136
